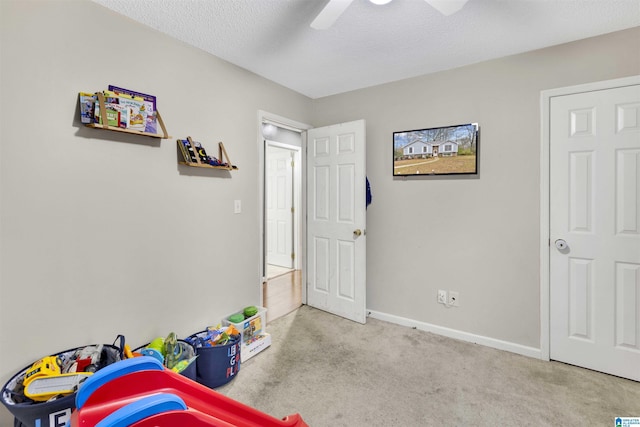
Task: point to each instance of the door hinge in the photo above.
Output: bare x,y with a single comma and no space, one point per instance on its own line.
292,209
292,163
293,255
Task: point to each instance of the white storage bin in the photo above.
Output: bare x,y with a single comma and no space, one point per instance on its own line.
255,345
250,327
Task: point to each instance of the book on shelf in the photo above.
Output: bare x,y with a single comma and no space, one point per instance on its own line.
148,110
200,151
110,97
87,105
183,150
187,151
137,112
117,115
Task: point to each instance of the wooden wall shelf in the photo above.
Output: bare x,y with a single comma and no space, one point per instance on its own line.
104,125
222,156
203,165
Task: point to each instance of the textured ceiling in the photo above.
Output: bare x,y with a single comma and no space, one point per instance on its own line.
369,44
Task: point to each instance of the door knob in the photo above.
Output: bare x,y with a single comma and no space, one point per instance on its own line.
357,232
561,244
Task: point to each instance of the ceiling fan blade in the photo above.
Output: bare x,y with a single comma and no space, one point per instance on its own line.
329,14
447,7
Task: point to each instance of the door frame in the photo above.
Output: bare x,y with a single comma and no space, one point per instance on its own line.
286,123
545,208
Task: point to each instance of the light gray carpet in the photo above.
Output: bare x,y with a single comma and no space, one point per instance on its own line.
335,372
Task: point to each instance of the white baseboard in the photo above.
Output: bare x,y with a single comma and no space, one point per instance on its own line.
459,335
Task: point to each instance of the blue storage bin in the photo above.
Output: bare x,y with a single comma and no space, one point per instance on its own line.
53,413
216,365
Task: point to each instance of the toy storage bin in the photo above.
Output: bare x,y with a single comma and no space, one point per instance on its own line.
54,413
216,365
250,327
189,371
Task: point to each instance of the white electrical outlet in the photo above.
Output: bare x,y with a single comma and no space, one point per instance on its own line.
454,299
442,297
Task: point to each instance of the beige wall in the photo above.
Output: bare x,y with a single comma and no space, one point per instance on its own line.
476,236
103,233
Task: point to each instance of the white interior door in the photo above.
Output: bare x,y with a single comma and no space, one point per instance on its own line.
336,220
595,230
279,204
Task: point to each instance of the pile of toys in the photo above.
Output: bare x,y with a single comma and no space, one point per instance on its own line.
215,336
46,389
56,376
60,375
175,355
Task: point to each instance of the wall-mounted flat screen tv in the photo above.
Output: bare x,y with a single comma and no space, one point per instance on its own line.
449,150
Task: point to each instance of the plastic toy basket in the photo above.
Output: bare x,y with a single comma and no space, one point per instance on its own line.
55,412
216,365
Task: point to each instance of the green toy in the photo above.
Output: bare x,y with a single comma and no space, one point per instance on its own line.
236,318
250,311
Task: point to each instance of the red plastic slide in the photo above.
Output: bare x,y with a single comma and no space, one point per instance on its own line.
141,393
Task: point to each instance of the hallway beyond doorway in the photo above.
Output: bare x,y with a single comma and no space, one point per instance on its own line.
282,294
276,270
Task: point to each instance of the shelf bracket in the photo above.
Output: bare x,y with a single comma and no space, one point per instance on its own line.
197,155
161,123
103,111
222,154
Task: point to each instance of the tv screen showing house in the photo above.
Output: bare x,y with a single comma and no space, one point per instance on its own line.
450,150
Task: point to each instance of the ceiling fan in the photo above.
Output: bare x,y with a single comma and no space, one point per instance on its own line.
334,9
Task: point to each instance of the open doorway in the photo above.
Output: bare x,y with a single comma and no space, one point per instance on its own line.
282,289
281,198
340,244
282,227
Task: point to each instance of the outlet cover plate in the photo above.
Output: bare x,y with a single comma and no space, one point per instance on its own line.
454,299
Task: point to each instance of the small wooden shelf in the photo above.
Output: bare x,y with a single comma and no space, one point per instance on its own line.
222,156
203,165
104,125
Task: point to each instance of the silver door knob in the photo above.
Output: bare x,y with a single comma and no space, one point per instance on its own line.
357,232
561,244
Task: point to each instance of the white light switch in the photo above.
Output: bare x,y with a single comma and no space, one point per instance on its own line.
237,206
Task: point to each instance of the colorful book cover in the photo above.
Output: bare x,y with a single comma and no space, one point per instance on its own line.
184,152
117,115
191,155
113,118
110,97
151,123
137,112
201,152
87,104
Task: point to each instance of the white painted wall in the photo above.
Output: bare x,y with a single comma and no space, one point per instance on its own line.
103,233
486,241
